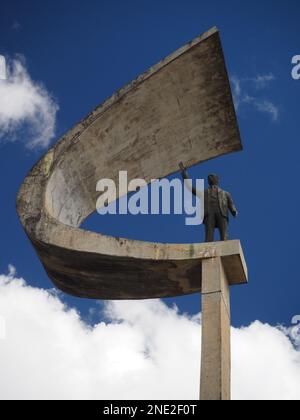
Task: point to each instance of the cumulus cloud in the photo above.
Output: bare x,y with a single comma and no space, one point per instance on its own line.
27,110
245,93
2,68
140,350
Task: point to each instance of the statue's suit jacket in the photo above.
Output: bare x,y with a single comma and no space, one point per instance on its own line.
225,203
225,200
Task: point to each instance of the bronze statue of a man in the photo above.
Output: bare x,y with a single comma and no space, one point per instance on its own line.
217,204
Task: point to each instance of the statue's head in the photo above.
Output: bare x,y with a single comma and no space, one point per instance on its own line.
213,179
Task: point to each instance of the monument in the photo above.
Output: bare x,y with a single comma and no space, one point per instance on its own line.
180,109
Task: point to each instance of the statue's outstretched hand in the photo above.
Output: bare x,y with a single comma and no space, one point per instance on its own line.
182,167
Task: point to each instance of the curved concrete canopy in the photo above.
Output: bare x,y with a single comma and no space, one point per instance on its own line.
180,109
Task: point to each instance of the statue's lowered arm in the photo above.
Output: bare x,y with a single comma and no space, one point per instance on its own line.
232,206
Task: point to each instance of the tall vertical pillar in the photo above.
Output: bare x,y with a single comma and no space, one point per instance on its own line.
216,352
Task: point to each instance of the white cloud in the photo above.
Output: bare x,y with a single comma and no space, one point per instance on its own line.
269,108
241,88
143,350
266,366
261,81
27,110
16,26
2,68
293,331
237,91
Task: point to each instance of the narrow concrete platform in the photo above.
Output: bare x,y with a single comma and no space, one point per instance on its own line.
155,270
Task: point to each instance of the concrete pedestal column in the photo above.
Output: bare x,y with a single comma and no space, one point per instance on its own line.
216,354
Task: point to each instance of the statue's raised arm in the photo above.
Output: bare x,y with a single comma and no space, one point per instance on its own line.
185,175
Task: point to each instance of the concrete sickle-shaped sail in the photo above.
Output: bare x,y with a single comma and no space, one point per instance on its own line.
180,109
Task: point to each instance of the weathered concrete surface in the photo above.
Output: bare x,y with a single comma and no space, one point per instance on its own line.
181,109
216,354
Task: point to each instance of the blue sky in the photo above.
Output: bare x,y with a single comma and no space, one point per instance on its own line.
83,52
